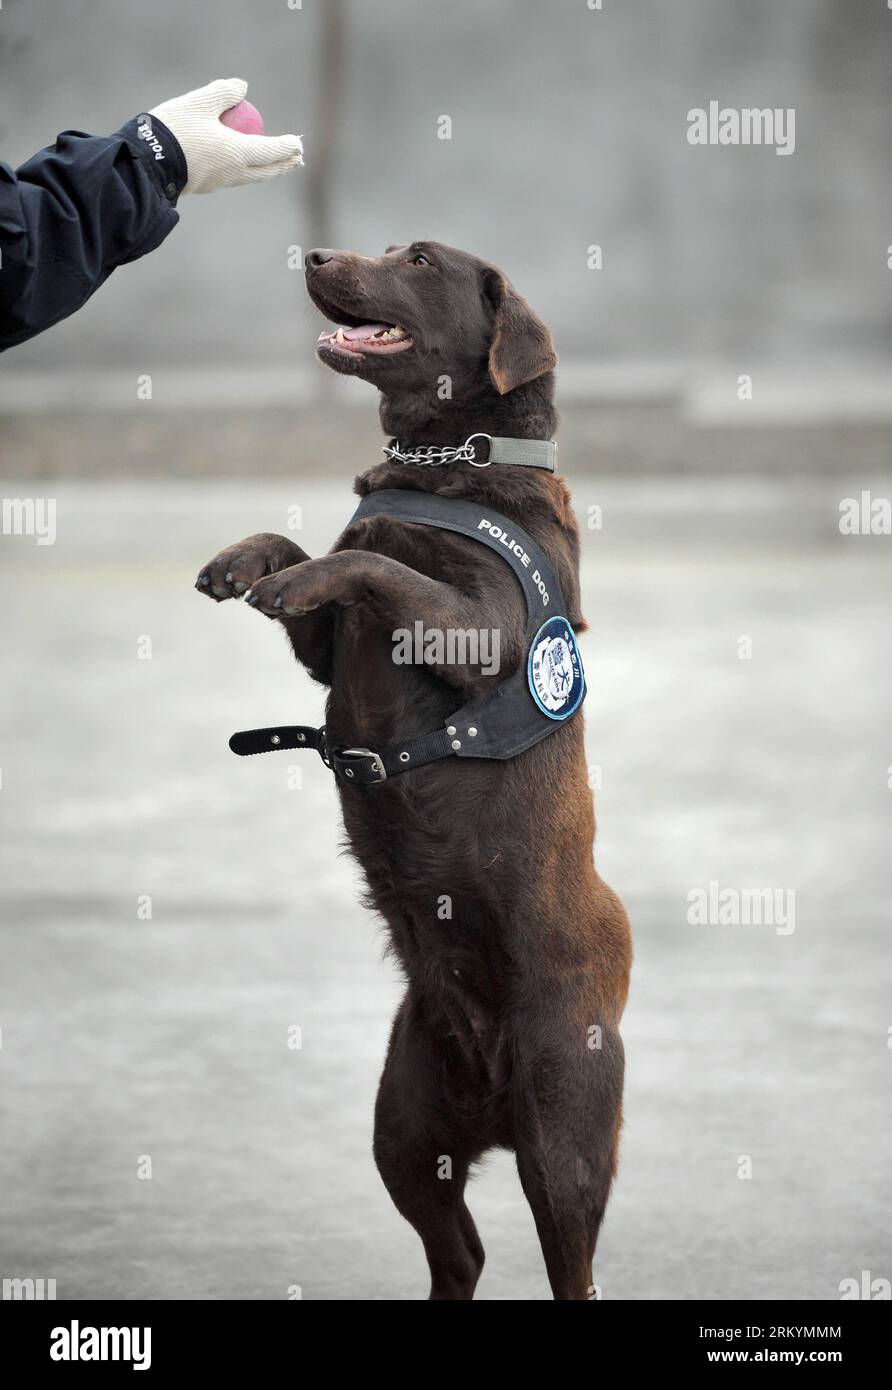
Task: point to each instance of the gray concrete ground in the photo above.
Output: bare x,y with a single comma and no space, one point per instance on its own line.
168,1037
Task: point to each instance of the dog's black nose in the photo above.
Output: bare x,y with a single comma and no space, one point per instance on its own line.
313,259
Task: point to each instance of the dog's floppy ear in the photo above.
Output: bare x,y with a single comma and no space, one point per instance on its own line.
521,347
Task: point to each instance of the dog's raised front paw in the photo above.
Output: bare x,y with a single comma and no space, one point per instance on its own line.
294,591
231,573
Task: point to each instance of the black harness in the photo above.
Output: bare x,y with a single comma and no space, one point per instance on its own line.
547,688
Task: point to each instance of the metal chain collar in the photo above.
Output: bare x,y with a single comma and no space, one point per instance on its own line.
435,456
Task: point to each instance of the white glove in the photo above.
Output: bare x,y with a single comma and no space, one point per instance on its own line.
217,157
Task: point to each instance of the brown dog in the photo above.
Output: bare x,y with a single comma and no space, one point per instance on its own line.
516,954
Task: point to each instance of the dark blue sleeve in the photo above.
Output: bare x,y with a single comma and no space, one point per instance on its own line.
75,211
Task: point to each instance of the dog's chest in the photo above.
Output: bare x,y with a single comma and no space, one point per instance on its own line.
382,684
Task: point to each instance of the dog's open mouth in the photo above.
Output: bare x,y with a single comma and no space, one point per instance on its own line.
367,337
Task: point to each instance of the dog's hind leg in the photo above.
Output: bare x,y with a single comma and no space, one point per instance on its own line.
423,1155
567,1108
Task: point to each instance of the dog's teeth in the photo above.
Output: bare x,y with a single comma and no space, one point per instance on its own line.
339,336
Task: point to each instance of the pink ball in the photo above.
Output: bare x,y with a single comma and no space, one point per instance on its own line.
244,118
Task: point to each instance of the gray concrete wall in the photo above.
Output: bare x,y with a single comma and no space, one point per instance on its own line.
568,129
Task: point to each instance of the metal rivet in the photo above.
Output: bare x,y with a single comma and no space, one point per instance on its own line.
301,738
274,738
348,771
456,743
451,730
472,732
404,757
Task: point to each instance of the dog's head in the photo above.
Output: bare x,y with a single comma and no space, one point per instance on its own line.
422,312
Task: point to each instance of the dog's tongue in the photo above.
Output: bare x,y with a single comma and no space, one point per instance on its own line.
365,330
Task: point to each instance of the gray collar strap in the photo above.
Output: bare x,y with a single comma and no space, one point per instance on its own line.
479,450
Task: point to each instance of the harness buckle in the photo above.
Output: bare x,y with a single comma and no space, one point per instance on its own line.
377,764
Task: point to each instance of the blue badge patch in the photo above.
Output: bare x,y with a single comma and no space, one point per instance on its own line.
554,669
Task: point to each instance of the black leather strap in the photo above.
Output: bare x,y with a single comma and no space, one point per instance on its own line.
251,741
360,767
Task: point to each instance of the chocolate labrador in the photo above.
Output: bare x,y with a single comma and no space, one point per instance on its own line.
516,954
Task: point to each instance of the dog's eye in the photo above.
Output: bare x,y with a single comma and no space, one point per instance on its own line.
420,259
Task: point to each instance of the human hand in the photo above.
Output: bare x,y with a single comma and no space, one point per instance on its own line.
217,157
